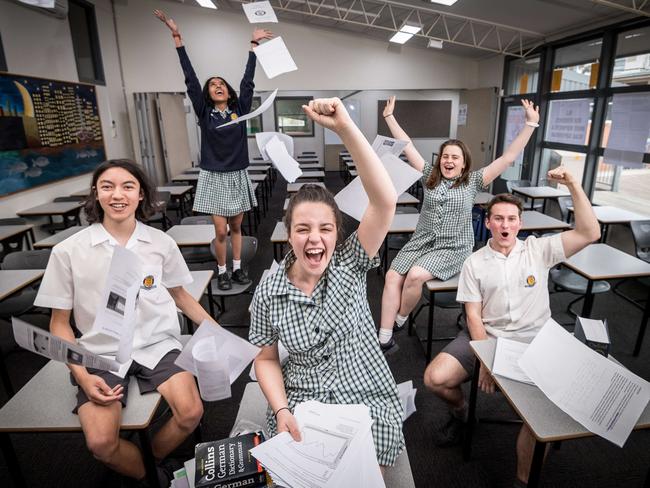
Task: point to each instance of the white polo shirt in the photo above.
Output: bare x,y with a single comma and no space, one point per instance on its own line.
513,289
76,275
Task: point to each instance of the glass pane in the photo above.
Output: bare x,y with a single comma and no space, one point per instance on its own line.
632,62
623,187
552,158
604,138
253,126
290,119
569,121
522,76
81,20
515,120
576,67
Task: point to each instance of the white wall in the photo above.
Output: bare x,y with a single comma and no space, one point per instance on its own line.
490,72
39,45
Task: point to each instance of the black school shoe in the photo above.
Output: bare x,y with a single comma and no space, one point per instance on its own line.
451,434
240,277
390,347
224,282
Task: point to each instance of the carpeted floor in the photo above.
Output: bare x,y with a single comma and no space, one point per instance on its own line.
61,460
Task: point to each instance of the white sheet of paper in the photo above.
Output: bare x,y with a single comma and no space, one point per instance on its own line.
116,313
382,145
259,12
286,165
506,360
264,106
45,344
212,369
275,58
630,130
594,329
603,396
515,121
353,199
407,396
568,121
263,138
239,352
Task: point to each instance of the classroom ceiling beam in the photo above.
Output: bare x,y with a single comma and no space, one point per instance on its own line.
389,16
638,7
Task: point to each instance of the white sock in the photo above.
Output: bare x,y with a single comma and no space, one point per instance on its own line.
399,320
385,335
236,264
222,269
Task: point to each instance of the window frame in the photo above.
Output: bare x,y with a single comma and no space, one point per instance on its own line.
99,77
305,98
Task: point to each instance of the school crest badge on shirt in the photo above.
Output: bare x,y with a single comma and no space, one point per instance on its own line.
530,281
148,282
233,117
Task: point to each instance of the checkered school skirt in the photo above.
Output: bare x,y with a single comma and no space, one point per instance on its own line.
224,193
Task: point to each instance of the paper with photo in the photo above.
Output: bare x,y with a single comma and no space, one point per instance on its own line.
263,138
116,313
275,58
407,397
603,396
259,12
630,130
286,165
382,145
506,360
41,342
264,106
353,199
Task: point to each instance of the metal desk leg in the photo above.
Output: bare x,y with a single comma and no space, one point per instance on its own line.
471,412
643,326
430,325
543,205
210,299
275,251
589,300
11,460
147,458
536,465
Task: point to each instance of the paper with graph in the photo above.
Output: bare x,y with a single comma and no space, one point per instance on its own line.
336,440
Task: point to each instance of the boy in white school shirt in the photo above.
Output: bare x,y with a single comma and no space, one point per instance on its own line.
74,281
504,287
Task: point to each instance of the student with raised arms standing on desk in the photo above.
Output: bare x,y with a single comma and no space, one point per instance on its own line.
316,303
224,189
444,236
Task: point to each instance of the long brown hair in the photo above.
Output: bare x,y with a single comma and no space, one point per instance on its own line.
436,175
315,194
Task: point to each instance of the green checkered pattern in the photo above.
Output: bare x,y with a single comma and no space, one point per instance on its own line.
224,193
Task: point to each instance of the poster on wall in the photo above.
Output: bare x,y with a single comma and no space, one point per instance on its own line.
569,121
629,136
515,121
49,130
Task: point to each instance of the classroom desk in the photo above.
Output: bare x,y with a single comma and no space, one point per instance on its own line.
258,168
432,287
315,175
533,221
52,209
608,215
407,199
202,281
192,235
181,193
81,193
50,242
307,159
12,281
13,232
483,198
544,419
279,238
602,262
311,165
401,224
190,178
294,187
540,193
193,170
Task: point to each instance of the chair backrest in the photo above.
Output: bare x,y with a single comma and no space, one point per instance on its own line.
196,220
510,184
13,221
163,196
641,234
564,203
248,249
27,259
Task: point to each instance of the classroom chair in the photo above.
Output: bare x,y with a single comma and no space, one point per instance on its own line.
200,254
22,302
641,235
564,279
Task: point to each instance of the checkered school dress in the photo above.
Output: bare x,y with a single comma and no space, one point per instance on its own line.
334,354
444,237
224,193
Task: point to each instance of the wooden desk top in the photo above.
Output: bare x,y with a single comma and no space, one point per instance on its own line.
540,192
13,280
52,208
192,235
7,231
483,198
404,223
50,242
201,280
448,285
186,177
176,191
294,187
546,421
603,262
535,221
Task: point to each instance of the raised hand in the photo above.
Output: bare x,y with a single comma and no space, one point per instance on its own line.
532,112
390,107
167,21
561,175
330,113
259,34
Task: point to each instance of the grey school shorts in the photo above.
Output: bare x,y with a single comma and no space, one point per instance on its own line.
148,379
459,348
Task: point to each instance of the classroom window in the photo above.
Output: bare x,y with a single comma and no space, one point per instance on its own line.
85,41
569,121
290,118
552,158
622,187
3,61
523,75
255,125
576,67
632,61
